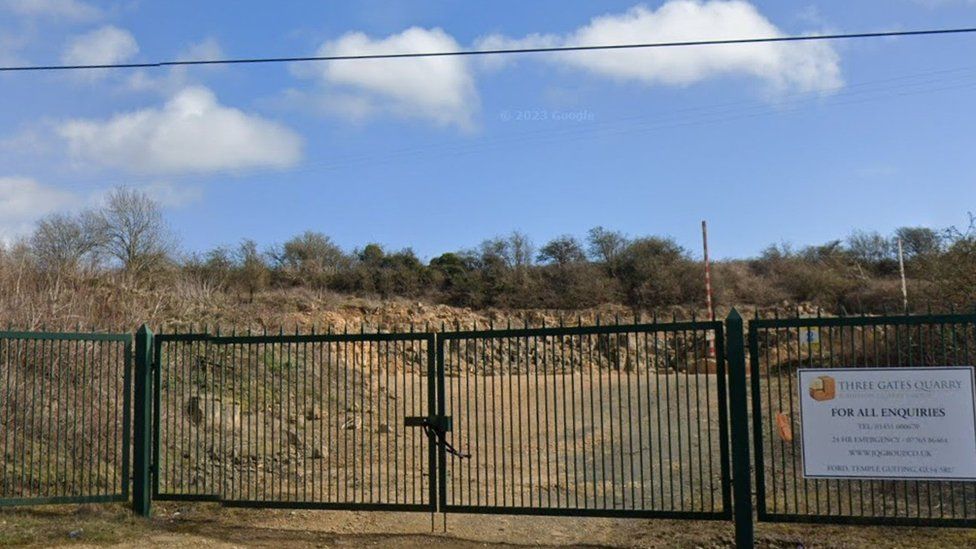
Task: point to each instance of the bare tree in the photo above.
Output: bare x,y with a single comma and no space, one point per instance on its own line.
252,273
562,250
520,250
311,254
919,241
61,241
606,246
130,228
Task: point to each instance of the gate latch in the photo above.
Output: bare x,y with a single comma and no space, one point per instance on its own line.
438,427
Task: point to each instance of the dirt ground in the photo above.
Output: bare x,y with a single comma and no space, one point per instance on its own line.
208,525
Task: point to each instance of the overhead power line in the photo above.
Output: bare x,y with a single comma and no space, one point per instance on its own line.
241,61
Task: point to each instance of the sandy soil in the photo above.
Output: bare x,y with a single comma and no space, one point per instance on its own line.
207,525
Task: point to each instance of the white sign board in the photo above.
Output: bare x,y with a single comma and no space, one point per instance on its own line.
888,423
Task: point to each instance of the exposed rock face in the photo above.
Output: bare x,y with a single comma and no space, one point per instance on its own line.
210,412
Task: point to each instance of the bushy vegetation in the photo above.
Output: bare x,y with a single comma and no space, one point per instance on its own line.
119,263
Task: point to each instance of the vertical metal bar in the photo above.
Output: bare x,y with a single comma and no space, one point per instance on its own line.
141,500
657,406
384,361
646,366
33,399
398,424
630,423
50,454
795,466
723,425
345,404
157,412
545,399
691,467
698,417
603,453
435,359
757,420
362,411
57,378
477,419
521,400
668,405
740,432
21,405
495,408
5,408
528,416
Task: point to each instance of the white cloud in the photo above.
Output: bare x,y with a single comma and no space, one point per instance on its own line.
101,46
171,195
191,133
23,201
798,66
440,89
206,49
72,10
176,78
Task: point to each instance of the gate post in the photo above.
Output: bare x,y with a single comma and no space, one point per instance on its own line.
741,473
142,428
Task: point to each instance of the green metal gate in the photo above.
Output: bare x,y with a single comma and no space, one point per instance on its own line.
620,420
316,421
65,401
617,420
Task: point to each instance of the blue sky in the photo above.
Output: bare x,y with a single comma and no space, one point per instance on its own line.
782,143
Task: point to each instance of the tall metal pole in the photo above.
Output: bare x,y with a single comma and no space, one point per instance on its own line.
901,268
708,286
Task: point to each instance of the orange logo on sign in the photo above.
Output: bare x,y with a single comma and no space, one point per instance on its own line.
823,388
